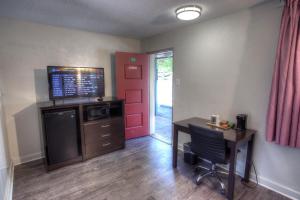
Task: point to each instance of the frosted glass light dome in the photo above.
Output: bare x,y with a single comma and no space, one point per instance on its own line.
188,13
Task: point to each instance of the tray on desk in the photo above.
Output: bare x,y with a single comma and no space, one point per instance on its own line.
217,126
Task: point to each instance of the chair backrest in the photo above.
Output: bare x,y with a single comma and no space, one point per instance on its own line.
208,144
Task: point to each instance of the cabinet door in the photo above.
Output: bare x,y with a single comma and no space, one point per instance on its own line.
62,136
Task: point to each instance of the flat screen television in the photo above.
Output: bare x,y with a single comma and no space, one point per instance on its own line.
72,82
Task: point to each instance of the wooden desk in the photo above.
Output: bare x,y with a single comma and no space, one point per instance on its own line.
234,140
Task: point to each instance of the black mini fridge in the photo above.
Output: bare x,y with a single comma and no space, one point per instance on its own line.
62,136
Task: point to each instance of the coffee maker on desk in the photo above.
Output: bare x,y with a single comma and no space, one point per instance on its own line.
241,122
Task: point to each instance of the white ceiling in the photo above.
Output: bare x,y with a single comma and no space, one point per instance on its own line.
132,18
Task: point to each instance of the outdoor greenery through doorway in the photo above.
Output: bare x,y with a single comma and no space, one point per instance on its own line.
163,95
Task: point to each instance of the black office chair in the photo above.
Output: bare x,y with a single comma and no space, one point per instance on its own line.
210,145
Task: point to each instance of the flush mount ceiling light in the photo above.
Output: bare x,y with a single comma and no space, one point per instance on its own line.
187,13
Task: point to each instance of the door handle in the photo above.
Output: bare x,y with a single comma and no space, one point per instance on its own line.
106,144
106,135
105,126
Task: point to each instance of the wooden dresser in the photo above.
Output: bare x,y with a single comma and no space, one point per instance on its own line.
99,130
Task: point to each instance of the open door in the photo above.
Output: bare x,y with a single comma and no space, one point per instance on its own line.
132,84
161,102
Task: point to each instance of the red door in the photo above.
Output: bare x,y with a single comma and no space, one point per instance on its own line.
132,77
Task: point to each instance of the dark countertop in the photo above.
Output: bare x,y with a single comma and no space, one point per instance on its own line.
75,102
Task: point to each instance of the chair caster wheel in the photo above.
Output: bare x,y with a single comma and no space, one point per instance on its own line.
199,180
223,191
196,170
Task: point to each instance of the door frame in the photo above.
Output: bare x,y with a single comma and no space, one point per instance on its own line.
151,53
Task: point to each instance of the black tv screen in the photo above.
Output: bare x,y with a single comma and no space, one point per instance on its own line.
72,82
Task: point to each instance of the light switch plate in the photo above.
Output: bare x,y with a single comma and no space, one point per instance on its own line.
177,82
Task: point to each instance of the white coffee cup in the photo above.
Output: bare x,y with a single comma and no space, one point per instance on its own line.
215,119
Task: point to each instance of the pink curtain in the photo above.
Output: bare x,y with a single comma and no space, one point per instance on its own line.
283,120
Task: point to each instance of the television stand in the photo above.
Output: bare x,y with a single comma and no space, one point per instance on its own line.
74,125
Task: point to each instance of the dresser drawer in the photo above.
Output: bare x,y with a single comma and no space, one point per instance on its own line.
103,136
103,146
111,129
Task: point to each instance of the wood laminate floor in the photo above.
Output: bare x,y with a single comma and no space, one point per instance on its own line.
163,128
142,171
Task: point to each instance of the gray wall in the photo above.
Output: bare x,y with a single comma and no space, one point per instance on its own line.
225,66
25,51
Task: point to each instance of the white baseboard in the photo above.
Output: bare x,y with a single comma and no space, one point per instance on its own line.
10,182
27,158
276,187
271,185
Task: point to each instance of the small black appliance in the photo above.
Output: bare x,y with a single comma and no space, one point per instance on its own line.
241,122
94,112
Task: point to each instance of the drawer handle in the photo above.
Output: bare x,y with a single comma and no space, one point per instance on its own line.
104,126
106,135
106,144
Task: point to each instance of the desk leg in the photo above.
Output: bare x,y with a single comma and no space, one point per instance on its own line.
248,160
175,146
231,176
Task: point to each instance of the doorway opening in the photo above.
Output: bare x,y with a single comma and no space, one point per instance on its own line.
162,103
